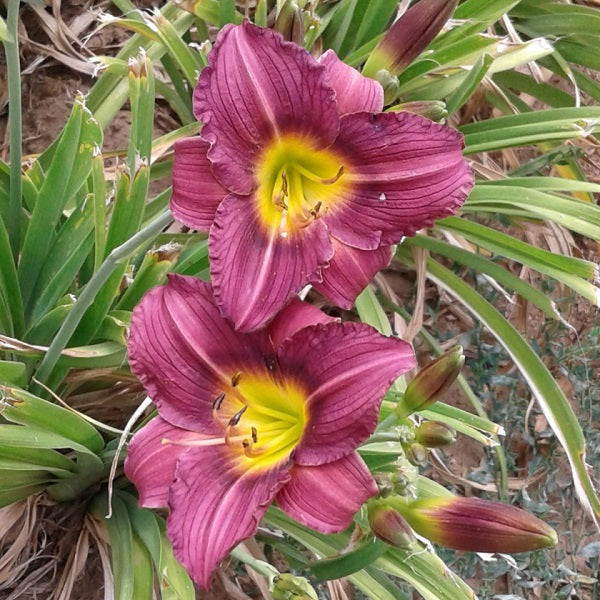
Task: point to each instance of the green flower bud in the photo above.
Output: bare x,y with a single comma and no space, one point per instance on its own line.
417,455
291,587
431,109
289,21
390,85
431,382
433,434
477,525
389,525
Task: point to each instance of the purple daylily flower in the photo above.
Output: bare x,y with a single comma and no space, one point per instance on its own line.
246,418
300,178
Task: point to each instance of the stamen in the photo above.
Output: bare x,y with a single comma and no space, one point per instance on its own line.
236,418
310,175
235,379
284,184
314,211
250,451
254,435
216,405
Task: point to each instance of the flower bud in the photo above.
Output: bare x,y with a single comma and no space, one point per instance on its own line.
409,36
435,110
291,587
390,85
431,382
477,525
389,525
289,21
417,455
433,434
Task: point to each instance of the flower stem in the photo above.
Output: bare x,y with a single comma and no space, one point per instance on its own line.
13,71
117,256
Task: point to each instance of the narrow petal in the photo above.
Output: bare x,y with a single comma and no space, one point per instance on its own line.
184,352
403,172
150,464
257,86
294,316
196,192
255,271
346,369
354,92
214,505
326,497
350,271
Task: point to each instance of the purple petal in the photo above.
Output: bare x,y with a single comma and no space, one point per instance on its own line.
350,271
255,271
256,87
150,464
196,192
294,316
403,173
326,497
185,353
215,504
346,369
354,92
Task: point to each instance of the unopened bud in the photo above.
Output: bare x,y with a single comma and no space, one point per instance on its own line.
434,110
417,455
433,434
291,587
477,525
389,525
409,36
390,85
290,22
431,382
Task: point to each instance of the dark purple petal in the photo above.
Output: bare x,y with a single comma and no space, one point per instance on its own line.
346,369
256,270
150,464
294,316
185,353
354,92
256,87
215,504
350,271
196,192
403,173
326,497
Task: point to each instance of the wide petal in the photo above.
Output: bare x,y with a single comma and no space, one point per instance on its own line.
257,86
350,271
185,353
150,463
354,92
294,316
346,369
403,172
256,270
215,505
326,497
196,192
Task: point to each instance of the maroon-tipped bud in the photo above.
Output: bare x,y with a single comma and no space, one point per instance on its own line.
433,434
409,36
477,525
389,525
417,455
431,382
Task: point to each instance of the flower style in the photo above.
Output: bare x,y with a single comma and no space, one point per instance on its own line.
245,418
300,178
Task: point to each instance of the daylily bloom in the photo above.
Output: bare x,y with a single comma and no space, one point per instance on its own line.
300,178
248,418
